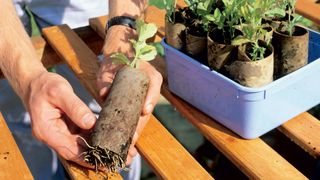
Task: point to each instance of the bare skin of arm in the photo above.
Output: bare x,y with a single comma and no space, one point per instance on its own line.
117,40
55,120
59,118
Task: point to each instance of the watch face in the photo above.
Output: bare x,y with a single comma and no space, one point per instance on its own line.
121,20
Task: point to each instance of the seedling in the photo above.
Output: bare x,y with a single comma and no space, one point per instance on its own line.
200,9
288,26
226,19
143,51
111,137
252,27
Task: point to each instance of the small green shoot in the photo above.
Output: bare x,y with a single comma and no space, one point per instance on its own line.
200,9
228,18
143,51
288,26
252,27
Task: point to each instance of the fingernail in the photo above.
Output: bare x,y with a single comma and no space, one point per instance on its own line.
89,120
149,108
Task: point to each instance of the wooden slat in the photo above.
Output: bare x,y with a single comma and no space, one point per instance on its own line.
100,24
12,164
253,157
305,131
77,172
169,160
169,153
309,9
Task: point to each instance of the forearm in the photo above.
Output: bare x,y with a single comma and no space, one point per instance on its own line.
18,60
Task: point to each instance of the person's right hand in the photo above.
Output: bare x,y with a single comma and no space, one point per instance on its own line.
58,116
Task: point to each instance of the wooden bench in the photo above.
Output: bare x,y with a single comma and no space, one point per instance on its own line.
169,160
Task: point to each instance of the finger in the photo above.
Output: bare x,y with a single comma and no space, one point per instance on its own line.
64,143
132,153
106,75
143,120
104,81
76,110
132,150
153,93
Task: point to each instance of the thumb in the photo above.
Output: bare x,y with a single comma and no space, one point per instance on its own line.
76,110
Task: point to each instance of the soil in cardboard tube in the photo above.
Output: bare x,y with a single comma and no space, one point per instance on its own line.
115,127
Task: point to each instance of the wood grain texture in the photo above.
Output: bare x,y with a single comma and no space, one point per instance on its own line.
304,131
12,164
77,172
253,157
72,50
309,9
178,163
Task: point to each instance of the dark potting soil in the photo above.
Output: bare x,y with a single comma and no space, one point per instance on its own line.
187,15
196,28
222,36
178,17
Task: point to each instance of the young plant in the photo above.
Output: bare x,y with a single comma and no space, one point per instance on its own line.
252,27
288,26
226,19
168,5
143,51
204,8
111,137
276,10
200,9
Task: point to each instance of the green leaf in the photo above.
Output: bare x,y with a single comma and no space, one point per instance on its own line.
159,48
119,58
275,12
240,40
188,2
204,7
138,45
217,18
145,31
147,53
296,19
157,3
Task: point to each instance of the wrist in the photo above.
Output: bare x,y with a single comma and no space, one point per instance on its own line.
27,75
118,40
121,20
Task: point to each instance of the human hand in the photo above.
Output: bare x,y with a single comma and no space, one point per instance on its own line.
58,116
117,40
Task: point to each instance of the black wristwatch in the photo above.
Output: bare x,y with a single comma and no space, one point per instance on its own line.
121,20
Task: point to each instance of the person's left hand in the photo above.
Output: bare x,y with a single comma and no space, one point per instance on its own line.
117,40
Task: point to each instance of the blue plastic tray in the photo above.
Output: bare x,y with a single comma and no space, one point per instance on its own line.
249,112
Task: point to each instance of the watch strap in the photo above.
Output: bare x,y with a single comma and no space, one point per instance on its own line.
121,20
